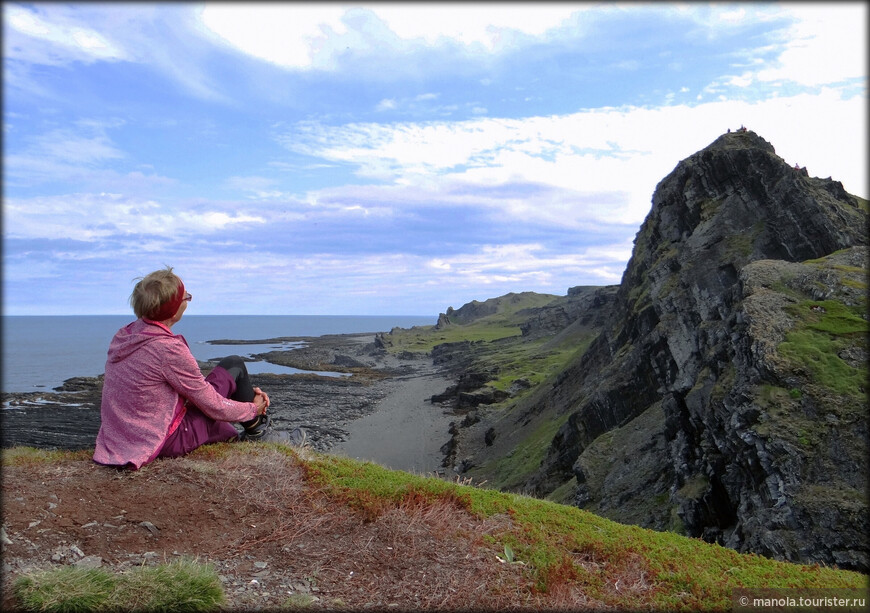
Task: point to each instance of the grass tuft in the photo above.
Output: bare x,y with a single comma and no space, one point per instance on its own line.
182,586
69,589
30,456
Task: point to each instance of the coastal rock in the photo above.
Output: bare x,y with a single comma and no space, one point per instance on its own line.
443,321
724,438
69,418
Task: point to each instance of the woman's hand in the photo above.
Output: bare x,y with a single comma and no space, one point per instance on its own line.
261,399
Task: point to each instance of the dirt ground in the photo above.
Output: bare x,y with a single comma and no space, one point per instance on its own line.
273,537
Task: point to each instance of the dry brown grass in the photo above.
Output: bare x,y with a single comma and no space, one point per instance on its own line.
234,509
289,529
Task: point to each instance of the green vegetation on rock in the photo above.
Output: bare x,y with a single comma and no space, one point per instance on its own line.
824,330
497,342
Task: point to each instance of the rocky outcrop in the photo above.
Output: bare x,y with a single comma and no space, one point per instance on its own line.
475,310
691,411
583,306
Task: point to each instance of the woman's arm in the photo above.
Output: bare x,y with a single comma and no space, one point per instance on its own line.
183,374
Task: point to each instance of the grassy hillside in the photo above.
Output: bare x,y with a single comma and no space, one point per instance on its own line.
317,517
496,342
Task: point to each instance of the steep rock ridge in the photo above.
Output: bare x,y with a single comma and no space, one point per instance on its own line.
671,411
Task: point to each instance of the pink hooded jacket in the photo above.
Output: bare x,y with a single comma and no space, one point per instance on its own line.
150,372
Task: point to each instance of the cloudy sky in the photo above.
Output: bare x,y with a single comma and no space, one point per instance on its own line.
322,158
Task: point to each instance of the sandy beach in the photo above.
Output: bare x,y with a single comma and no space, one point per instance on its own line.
406,431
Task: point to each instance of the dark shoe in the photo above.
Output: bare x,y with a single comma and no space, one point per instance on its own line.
256,428
296,438
260,430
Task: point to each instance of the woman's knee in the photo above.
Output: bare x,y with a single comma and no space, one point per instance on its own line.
243,389
234,364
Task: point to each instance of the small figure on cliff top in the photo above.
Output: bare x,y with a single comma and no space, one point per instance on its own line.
156,402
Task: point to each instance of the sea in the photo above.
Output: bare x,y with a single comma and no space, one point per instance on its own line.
41,352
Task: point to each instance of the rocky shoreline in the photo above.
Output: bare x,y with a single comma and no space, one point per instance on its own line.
69,416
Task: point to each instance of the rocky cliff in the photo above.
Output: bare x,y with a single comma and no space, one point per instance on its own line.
725,397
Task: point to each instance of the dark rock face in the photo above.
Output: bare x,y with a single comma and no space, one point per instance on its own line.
583,306
721,437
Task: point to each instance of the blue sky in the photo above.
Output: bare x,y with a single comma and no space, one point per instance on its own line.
397,158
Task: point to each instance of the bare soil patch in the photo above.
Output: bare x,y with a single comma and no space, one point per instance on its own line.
274,538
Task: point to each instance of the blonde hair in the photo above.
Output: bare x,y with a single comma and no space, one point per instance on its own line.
152,291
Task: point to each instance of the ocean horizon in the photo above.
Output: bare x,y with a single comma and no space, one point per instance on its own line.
40,352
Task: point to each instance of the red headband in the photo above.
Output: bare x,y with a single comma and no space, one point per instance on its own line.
170,307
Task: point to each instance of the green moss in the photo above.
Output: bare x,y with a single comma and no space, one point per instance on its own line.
823,329
817,352
511,471
739,245
536,361
695,487
564,494
830,316
424,339
297,602
70,588
502,324
709,206
840,495
854,283
724,383
497,345
857,270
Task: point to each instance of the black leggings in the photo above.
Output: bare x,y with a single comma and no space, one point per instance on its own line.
235,365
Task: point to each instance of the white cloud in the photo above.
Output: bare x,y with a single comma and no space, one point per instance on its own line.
531,264
471,23
608,161
284,34
577,176
58,155
89,217
369,281
167,37
64,40
302,36
827,44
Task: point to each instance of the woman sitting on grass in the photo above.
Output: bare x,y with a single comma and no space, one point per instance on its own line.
156,402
